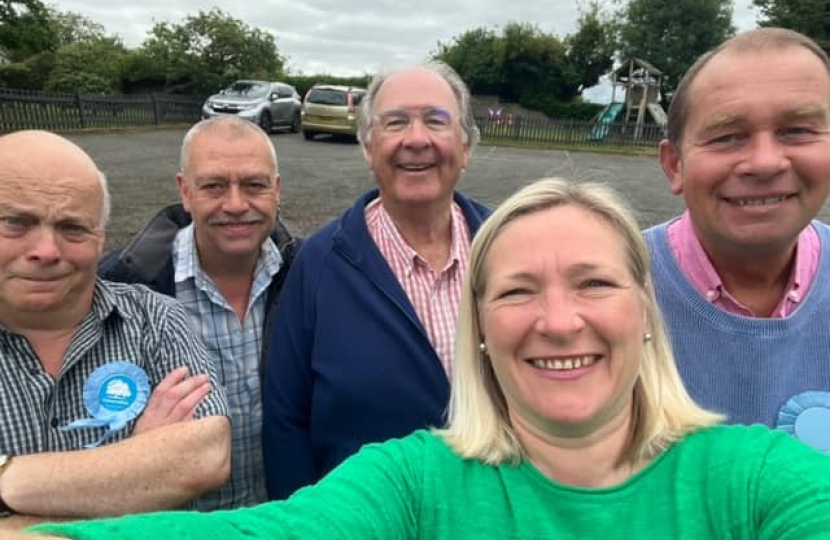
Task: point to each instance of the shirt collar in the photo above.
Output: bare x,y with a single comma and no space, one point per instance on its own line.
404,251
104,302
691,256
186,261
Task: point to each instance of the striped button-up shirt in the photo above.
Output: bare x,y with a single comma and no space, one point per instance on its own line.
235,348
435,295
127,323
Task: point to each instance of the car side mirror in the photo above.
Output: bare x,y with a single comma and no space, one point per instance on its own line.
274,96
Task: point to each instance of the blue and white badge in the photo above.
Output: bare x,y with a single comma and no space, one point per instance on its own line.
807,417
114,394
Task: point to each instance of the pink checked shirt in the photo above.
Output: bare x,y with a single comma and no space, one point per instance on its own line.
434,295
690,256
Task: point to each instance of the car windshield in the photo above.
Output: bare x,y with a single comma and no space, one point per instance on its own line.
327,96
247,89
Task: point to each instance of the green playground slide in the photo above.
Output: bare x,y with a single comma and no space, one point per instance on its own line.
608,115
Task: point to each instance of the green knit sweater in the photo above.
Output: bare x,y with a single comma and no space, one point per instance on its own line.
720,483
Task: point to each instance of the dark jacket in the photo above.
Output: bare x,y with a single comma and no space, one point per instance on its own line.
350,361
148,259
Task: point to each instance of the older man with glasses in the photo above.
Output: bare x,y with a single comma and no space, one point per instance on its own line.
362,348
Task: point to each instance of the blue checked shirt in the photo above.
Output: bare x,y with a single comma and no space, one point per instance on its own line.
235,349
127,323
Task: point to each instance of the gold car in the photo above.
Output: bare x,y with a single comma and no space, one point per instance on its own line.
331,109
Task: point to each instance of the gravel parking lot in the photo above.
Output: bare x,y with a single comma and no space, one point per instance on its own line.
322,177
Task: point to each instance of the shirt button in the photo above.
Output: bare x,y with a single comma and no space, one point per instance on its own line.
34,371
54,423
793,295
711,294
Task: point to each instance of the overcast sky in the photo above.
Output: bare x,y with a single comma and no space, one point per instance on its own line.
350,37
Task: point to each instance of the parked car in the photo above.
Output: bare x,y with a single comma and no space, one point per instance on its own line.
331,109
268,104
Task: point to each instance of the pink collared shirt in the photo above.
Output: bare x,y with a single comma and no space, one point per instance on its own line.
435,295
691,257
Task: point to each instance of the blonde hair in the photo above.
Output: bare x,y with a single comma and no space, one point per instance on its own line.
478,422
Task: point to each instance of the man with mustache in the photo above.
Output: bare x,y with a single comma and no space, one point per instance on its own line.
109,402
224,254
363,345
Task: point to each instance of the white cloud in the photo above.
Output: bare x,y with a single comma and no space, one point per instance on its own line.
348,37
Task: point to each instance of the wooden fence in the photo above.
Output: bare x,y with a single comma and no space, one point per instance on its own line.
26,109
568,132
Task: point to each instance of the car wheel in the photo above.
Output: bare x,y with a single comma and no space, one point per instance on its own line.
265,122
308,135
295,123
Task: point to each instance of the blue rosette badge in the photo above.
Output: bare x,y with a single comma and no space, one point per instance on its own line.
114,394
806,416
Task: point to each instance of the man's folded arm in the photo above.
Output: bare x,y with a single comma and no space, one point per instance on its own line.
161,469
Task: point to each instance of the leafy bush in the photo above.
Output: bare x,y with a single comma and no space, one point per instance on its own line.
30,74
88,66
553,108
84,83
17,75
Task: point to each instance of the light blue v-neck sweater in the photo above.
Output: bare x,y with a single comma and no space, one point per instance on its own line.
747,368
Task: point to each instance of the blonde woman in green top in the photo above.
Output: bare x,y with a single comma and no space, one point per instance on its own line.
567,421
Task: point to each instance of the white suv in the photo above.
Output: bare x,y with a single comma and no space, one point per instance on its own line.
268,104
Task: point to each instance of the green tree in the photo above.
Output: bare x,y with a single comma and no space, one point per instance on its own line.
810,17
206,52
90,66
71,27
474,56
591,48
671,34
25,29
526,65
33,37
535,63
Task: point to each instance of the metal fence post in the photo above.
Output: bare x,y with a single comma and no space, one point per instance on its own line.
80,105
156,112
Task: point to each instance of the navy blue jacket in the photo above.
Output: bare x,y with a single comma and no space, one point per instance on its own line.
350,361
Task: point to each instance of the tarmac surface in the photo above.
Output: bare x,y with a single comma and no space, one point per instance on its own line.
321,178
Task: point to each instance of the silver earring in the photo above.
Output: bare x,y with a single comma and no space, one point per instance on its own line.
482,347
647,337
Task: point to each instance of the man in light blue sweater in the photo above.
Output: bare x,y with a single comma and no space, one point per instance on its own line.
742,275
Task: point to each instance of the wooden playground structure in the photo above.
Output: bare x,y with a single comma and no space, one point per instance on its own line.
640,82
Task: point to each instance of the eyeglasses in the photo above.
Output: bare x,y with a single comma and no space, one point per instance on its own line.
399,120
